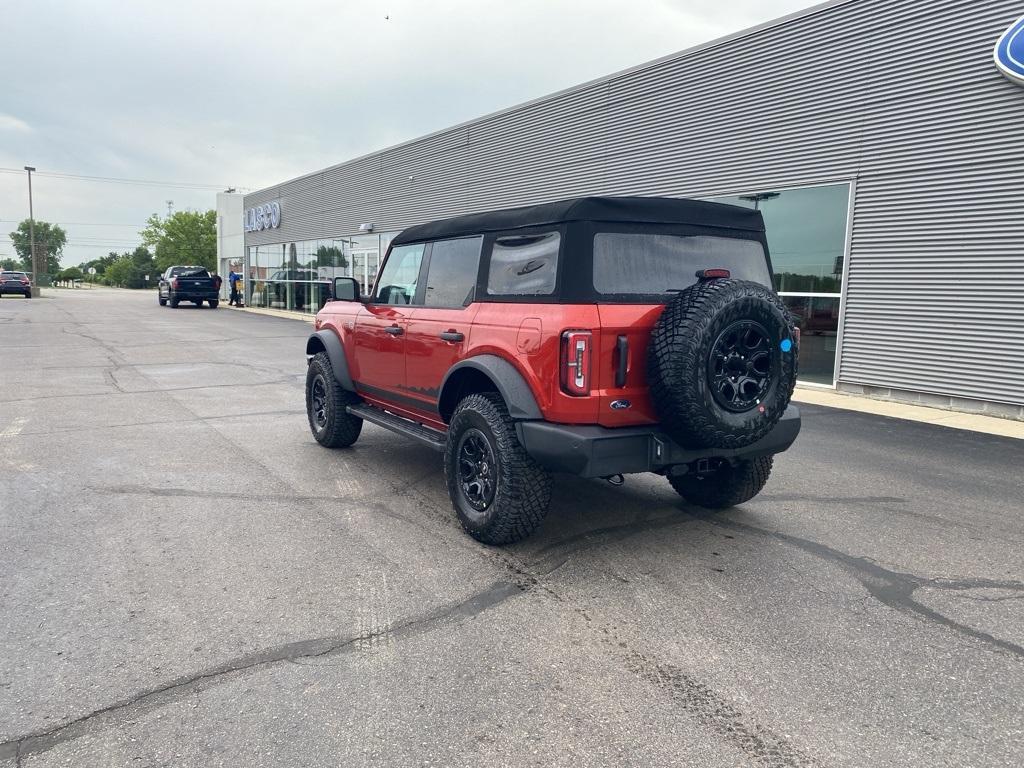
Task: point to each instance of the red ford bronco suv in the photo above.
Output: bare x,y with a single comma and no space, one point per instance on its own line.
596,336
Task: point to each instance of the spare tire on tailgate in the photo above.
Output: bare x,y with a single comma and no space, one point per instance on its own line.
722,364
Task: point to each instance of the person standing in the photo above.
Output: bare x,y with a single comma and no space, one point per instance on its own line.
234,279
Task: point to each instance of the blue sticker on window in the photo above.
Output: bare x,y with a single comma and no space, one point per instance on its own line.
786,345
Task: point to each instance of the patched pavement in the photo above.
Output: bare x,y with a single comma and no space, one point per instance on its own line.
188,579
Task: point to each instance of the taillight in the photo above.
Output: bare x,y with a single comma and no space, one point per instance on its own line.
576,347
24,281
174,283
217,281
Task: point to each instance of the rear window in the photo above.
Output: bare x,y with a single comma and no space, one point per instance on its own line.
189,272
12,275
649,264
524,265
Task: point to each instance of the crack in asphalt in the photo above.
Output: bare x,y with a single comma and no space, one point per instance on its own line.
172,422
894,588
44,740
142,490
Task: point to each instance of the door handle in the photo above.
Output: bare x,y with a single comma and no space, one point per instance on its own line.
452,336
622,349
394,330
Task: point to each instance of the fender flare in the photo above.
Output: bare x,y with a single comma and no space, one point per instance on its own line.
329,342
511,385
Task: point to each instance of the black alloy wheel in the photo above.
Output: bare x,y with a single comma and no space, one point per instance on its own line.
327,406
499,492
318,402
478,470
740,366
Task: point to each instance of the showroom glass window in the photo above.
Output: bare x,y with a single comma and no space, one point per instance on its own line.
297,276
807,233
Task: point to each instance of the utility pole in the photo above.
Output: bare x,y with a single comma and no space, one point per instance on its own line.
32,237
170,208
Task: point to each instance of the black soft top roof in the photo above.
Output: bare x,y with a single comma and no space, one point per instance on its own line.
643,210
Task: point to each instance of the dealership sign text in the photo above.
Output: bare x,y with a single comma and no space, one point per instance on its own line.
266,216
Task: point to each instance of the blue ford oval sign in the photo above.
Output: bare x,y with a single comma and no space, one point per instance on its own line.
1009,52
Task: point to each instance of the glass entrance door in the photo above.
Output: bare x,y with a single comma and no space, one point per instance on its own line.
807,234
364,268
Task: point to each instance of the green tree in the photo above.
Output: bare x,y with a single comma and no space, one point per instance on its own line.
186,237
330,256
14,265
129,270
70,274
119,271
50,239
100,264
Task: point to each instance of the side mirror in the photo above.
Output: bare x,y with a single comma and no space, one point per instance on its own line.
346,289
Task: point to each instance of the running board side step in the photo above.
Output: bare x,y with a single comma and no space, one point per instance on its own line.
426,435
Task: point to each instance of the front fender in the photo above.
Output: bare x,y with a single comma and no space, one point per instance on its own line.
327,341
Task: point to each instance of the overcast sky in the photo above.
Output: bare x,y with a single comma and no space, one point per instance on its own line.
249,94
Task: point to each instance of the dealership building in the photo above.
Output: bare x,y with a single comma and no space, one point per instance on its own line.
880,139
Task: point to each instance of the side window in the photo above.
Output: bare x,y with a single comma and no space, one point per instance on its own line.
451,274
524,265
398,278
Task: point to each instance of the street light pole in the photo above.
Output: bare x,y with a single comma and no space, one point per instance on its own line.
32,236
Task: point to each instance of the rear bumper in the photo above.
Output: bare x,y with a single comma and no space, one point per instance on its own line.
20,291
206,294
593,451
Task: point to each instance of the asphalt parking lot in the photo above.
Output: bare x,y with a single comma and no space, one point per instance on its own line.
188,579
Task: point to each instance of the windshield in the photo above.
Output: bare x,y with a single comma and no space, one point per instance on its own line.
645,263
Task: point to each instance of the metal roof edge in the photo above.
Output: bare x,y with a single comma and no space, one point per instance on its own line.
725,39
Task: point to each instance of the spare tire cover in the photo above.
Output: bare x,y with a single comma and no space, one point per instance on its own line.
722,364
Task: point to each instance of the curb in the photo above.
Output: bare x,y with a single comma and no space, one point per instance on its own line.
972,422
279,313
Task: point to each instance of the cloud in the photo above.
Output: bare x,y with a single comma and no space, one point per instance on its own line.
250,93
11,123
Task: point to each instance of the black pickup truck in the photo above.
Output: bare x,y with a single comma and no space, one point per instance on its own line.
193,284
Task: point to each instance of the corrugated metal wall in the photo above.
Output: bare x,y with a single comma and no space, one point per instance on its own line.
901,95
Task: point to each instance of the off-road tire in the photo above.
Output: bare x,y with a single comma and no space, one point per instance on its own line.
728,486
214,303
522,493
173,303
679,360
340,428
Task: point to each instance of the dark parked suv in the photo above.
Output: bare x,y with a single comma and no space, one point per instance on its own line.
17,283
595,336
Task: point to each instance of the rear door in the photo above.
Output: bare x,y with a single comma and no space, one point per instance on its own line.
438,330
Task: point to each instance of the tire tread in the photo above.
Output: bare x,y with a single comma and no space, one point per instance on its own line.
525,493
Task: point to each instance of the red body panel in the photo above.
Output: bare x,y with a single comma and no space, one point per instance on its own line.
404,373
377,358
428,357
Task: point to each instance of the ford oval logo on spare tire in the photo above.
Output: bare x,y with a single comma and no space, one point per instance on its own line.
1009,52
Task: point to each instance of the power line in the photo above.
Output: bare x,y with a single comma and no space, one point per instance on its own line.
118,180
75,223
